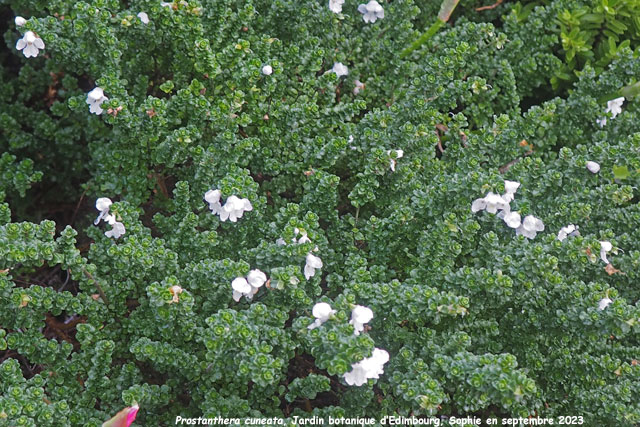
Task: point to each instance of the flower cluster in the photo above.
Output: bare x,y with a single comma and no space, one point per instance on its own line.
371,11
232,210
248,286
369,367
492,203
103,204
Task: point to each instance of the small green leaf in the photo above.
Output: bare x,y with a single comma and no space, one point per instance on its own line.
167,86
620,172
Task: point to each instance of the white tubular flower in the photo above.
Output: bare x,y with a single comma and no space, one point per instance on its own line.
392,161
512,219
601,122
510,188
357,376
213,198
335,6
304,239
30,44
117,228
95,98
494,203
615,107
478,205
143,17
234,208
20,21
593,167
371,11
241,288
267,70
566,231
313,263
340,69
604,303
359,316
359,87
604,248
530,227
369,367
322,312
256,279
102,204
374,364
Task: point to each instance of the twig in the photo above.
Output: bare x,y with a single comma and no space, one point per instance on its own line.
493,6
75,212
506,167
100,291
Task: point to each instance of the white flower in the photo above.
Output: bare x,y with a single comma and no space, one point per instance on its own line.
95,98
615,107
256,279
569,230
512,219
340,69
510,188
248,287
604,303
20,21
166,4
321,311
392,161
241,287
304,239
143,17
267,70
357,376
313,263
234,208
491,202
593,167
336,5
359,316
30,45
371,11
117,228
213,198
369,367
280,242
102,204
604,248
530,226
358,88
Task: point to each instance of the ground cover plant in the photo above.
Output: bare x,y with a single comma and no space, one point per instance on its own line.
297,208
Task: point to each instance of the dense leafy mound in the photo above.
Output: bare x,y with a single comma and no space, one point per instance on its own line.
475,192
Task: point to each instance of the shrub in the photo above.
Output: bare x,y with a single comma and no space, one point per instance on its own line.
366,189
